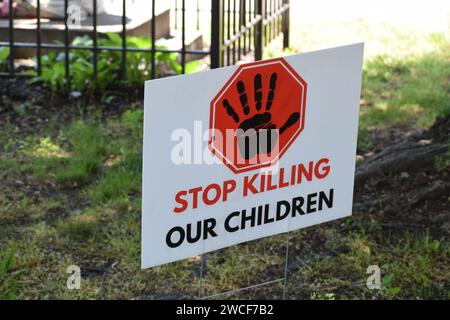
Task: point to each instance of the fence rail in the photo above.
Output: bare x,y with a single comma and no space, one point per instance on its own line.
238,27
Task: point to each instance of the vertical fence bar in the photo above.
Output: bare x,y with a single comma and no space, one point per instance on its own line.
259,29
228,22
251,15
274,21
242,45
11,38
216,33
269,24
286,25
280,18
265,27
94,40
234,31
223,33
183,36
268,33
266,8
269,14
66,43
153,37
38,38
124,40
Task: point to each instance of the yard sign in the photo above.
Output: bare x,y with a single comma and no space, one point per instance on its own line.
244,152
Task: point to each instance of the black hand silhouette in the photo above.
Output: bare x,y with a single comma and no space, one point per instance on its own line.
259,126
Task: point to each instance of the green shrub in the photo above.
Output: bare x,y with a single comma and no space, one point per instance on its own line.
109,64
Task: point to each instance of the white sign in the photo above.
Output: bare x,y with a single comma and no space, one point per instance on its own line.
244,152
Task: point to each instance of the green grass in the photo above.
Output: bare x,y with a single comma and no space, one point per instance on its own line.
420,272
404,87
88,149
410,90
119,181
78,228
412,268
122,176
8,277
133,120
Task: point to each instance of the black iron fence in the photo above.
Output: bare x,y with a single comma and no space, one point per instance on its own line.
238,28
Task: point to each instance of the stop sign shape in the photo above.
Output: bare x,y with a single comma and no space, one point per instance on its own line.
257,115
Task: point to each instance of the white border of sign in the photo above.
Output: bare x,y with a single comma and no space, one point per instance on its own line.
333,77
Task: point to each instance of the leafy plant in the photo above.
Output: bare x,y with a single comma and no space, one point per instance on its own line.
4,54
387,285
109,64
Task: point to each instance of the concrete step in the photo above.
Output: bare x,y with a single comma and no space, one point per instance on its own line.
193,41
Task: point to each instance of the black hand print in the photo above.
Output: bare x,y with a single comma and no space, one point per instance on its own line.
260,125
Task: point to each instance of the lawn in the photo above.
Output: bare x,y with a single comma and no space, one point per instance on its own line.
71,187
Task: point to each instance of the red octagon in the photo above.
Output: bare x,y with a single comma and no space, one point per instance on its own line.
261,95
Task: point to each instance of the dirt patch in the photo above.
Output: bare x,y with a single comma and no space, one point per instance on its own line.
415,195
29,107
